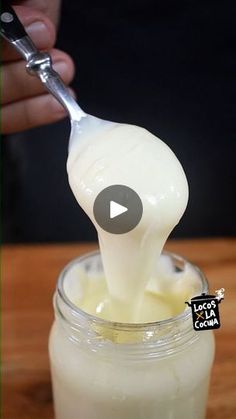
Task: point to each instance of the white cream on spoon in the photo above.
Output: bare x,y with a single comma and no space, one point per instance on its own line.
129,155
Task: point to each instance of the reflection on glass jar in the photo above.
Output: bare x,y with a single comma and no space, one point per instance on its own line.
106,370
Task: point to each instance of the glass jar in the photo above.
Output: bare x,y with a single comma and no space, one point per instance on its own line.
106,370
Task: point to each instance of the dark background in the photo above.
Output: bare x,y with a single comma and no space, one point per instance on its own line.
169,66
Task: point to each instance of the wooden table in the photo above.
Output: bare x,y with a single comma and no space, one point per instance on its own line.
29,278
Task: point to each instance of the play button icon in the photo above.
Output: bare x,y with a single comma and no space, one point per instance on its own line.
118,209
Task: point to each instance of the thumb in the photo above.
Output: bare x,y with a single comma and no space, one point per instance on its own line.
37,25
50,8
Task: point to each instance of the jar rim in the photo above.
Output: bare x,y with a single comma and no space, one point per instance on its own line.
78,312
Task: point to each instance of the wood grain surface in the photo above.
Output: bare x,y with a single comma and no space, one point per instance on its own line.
29,275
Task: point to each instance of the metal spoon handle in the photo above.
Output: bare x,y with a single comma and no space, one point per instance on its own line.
38,63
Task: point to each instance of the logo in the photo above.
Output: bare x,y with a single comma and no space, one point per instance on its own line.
205,310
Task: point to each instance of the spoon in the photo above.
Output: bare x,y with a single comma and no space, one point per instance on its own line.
40,64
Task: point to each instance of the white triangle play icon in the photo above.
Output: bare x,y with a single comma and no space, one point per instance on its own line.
116,209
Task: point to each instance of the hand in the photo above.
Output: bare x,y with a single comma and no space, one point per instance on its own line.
25,103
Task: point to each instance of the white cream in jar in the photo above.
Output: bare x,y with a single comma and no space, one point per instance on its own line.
108,370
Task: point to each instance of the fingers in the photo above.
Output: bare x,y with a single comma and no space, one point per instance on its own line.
30,113
34,108
38,26
14,75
